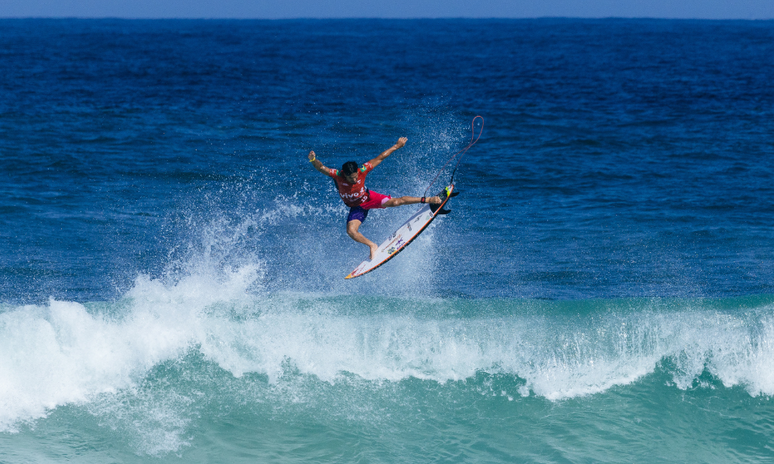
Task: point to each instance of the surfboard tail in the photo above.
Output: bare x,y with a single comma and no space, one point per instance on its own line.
444,195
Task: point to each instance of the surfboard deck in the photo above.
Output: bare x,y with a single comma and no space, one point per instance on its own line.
401,238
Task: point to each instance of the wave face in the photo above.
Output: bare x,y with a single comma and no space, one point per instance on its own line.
168,362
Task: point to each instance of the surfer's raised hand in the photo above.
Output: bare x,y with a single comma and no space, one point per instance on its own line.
317,164
375,162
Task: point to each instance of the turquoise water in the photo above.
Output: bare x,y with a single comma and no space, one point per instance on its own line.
168,374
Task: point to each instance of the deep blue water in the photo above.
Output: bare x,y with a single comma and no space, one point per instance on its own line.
172,268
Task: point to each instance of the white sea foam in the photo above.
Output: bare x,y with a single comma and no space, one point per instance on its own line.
63,353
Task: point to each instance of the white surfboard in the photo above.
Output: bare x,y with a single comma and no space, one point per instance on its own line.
400,239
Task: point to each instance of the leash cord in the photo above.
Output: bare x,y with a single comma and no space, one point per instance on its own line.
461,153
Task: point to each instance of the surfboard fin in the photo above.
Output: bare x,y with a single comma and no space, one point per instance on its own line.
444,193
434,208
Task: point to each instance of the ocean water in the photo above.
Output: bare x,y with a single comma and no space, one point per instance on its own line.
172,268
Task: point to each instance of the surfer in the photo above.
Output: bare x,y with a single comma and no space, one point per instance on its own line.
350,181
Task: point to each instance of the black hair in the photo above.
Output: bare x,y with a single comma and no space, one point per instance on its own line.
350,167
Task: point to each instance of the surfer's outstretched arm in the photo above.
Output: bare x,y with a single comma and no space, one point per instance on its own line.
318,164
401,141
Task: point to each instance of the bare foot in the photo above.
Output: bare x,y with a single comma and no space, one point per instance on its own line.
374,248
434,200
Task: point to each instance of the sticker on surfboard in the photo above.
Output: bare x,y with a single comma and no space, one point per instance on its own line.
400,239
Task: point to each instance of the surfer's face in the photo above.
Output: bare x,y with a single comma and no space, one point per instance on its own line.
352,178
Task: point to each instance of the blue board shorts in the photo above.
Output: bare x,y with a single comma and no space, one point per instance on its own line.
375,201
357,213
